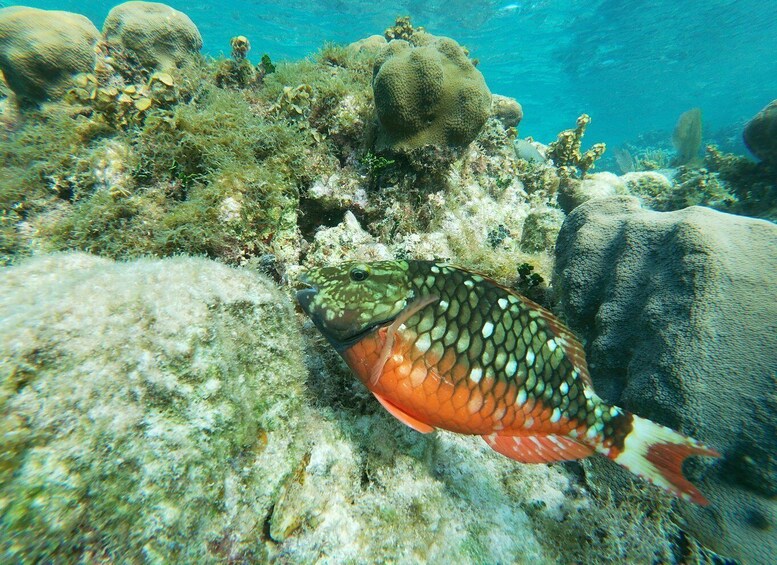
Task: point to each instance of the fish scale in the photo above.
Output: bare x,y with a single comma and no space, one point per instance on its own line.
445,347
487,334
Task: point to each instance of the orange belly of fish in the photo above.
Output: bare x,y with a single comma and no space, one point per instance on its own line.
437,391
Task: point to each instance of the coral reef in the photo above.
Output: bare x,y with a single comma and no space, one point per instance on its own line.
190,148
686,138
428,93
41,50
155,35
155,151
160,410
760,134
661,350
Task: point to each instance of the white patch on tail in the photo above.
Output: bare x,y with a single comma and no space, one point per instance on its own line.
656,453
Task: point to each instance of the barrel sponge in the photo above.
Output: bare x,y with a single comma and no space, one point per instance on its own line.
158,36
41,49
428,93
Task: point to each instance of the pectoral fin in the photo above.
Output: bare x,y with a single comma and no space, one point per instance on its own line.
404,417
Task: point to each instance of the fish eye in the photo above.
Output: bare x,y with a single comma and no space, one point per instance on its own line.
358,274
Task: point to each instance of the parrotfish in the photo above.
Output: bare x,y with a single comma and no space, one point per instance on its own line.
445,347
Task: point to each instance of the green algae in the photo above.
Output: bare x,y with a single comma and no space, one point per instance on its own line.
179,164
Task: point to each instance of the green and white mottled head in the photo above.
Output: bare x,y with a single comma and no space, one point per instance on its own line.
348,300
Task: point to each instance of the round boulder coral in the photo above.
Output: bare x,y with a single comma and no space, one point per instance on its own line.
760,134
158,36
428,93
40,50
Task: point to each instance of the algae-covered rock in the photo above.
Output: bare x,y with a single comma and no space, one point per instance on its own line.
540,229
41,50
371,44
158,36
574,192
507,110
760,134
651,187
147,410
428,93
678,312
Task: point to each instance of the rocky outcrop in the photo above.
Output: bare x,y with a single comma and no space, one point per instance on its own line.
160,410
760,134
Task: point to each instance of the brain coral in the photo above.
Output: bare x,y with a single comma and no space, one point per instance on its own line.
158,36
40,50
428,93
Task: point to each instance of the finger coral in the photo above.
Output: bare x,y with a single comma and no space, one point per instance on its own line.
565,151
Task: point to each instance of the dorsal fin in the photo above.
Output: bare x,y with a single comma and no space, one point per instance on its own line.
538,448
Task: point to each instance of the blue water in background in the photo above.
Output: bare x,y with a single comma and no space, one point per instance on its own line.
634,66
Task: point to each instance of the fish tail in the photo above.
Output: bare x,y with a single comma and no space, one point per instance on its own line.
656,453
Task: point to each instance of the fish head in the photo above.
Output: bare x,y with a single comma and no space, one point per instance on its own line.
349,300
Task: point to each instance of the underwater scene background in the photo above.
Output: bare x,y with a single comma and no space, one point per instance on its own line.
172,175
633,66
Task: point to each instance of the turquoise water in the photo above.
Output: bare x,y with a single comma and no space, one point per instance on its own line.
633,66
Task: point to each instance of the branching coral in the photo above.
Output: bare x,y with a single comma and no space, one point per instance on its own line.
402,29
565,151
